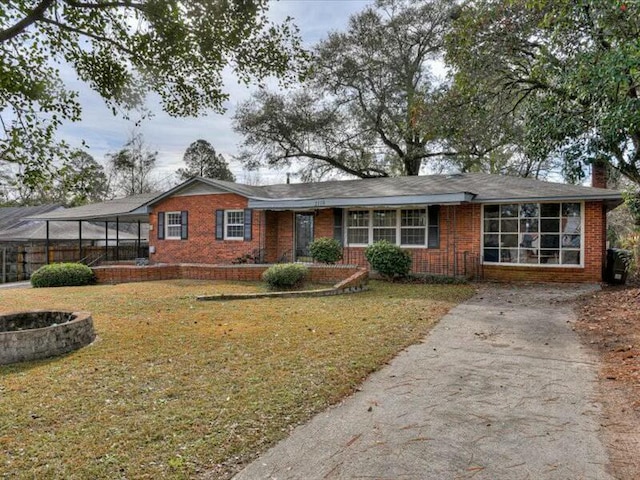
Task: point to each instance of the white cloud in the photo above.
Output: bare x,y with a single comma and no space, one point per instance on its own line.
104,132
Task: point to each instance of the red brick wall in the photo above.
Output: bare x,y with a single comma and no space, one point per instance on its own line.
202,246
323,274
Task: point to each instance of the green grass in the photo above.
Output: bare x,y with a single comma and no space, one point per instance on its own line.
173,387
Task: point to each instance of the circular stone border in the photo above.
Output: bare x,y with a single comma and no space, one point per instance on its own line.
66,331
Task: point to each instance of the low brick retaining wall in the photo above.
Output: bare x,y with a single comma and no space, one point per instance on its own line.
343,277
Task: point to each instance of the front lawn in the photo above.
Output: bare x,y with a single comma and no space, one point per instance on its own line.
173,387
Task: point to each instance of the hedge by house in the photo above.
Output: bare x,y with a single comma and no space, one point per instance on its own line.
325,250
285,275
62,275
388,259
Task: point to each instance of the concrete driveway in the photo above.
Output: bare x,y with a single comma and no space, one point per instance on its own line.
500,389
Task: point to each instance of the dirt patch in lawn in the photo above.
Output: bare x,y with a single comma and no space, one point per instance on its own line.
609,322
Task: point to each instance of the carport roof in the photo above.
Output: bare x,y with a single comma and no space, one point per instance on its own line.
128,209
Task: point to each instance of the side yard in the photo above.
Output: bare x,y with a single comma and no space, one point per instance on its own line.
610,324
173,387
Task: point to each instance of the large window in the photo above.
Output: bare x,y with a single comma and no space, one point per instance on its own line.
533,233
174,225
406,227
234,225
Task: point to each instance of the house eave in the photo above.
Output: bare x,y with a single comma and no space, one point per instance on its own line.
348,202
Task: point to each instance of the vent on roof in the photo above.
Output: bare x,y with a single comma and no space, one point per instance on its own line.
454,175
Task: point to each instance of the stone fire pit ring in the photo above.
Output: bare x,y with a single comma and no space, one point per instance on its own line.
38,334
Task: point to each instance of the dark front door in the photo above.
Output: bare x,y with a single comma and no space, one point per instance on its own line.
304,236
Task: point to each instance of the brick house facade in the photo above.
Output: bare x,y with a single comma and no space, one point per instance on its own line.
493,227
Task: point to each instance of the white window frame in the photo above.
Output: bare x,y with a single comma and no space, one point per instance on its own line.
398,226
228,224
168,224
582,248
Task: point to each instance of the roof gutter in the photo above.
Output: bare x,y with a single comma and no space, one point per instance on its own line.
398,200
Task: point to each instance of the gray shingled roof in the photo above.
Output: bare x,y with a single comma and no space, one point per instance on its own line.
37,231
132,208
14,217
442,189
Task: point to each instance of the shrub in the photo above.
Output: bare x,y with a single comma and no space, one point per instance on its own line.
62,275
388,260
325,250
285,275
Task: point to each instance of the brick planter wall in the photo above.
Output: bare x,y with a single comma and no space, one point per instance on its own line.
322,274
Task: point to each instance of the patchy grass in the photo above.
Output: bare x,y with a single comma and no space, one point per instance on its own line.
173,387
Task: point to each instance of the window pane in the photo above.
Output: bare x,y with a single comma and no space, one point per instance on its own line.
413,218
491,240
384,218
529,240
571,241
173,230
510,240
491,254
528,255
508,255
552,226
570,209
550,210
571,225
492,226
528,210
509,225
358,235
529,225
509,211
549,241
173,218
235,231
571,257
491,211
358,219
412,236
549,256
235,218
388,234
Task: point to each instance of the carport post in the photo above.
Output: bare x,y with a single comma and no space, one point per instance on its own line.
106,241
117,239
80,238
139,254
46,244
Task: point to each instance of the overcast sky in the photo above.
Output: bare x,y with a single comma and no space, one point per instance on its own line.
170,136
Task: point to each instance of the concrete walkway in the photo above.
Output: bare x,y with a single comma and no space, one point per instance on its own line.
500,389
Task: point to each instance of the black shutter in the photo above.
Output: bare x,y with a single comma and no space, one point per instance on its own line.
160,225
219,224
338,228
434,226
184,225
247,224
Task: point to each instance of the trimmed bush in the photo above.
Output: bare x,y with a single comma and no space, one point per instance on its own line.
325,250
62,275
285,275
388,260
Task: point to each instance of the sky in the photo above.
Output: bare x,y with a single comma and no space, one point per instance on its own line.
103,132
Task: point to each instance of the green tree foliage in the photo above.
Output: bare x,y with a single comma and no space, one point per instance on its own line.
203,161
123,50
131,168
372,104
567,70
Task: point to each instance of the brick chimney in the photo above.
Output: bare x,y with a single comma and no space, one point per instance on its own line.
599,174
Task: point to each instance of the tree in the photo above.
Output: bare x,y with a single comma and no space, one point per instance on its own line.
371,106
131,168
124,49
568,71
203,161
82,180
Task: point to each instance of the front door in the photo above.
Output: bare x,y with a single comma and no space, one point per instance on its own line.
303,236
